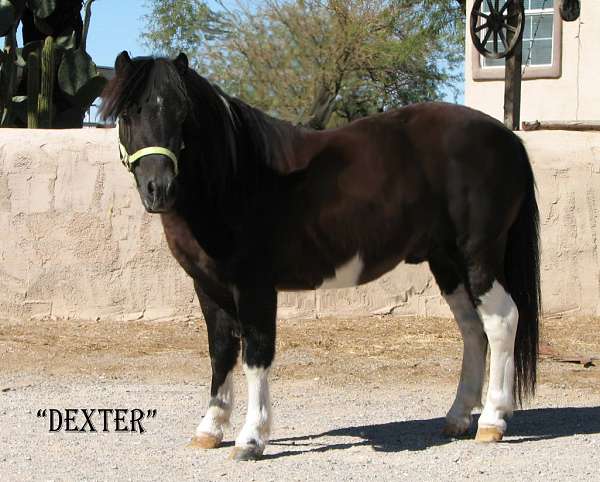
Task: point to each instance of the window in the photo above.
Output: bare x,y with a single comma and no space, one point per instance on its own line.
541,44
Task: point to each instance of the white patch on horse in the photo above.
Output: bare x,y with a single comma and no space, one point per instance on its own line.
468,393
257,428
346,275
500,318
219,410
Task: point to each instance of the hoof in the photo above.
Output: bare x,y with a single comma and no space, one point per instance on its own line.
205,441
452,429
488,434
251,452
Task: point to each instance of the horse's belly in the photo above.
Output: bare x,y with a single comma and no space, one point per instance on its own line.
353,272
308,262
347,275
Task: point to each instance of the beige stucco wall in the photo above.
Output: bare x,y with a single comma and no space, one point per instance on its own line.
76,243
573,96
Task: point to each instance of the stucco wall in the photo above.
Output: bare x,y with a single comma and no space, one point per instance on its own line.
76,243
573,96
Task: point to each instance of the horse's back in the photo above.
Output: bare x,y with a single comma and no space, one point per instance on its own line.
476,168
429,171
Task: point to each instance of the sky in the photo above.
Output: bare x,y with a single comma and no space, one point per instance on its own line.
118,25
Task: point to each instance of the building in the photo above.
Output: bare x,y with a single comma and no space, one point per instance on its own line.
561,66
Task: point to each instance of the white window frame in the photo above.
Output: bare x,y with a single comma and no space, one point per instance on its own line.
480,71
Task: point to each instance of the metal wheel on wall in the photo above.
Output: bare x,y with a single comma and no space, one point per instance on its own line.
497,26
570,10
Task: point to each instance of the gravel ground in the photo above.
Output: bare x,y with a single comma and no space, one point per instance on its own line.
342,411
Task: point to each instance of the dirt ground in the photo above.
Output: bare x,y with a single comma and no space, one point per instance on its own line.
358,399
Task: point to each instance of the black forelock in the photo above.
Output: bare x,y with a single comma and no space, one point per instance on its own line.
140,76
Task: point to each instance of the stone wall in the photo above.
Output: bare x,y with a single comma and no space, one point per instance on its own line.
76,243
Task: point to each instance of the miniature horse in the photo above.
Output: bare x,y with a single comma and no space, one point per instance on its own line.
252,206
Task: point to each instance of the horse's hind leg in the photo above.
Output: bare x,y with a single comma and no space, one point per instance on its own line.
500,317
468,393
224,347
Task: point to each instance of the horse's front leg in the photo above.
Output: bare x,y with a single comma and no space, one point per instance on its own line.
257,309
224,347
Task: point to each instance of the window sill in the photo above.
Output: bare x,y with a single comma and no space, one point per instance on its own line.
531,72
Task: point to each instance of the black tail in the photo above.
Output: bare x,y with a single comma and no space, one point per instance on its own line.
522,270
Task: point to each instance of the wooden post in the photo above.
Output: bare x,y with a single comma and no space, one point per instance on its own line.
512,78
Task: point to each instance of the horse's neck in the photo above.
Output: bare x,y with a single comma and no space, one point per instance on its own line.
292,147
206,221
268,150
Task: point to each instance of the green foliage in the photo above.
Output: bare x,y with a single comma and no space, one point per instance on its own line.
76,70
8,16
69,80
318,62
42,8
181,26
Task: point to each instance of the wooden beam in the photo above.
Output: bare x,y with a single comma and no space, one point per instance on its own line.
512,75
561,126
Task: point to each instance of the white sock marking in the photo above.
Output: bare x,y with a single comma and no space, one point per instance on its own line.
257,428
468,393
218,413
346,275
500,318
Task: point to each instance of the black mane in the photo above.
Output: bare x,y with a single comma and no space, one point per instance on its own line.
228,133
135,79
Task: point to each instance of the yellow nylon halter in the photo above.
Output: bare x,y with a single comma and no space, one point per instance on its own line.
129,160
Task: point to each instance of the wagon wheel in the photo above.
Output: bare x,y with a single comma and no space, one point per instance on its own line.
497,26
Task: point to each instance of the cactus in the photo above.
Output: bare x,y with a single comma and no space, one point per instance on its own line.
33,89
8,17
47,85
59,76
8,78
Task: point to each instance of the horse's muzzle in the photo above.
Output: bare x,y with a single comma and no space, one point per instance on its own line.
159,196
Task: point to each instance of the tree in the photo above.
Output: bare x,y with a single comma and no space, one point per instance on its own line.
181,26
318,62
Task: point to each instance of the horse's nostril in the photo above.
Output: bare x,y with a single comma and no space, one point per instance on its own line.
151,188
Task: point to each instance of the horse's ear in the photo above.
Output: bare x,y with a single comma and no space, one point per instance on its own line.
123,61
181,63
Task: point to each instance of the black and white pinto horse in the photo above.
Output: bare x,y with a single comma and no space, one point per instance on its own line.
252,206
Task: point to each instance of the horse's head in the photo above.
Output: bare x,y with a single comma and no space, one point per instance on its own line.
148,98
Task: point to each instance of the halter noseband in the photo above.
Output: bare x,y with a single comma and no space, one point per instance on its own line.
129,160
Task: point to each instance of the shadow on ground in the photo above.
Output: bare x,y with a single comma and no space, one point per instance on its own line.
414,435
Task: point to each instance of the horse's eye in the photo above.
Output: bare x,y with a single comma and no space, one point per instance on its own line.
125,117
